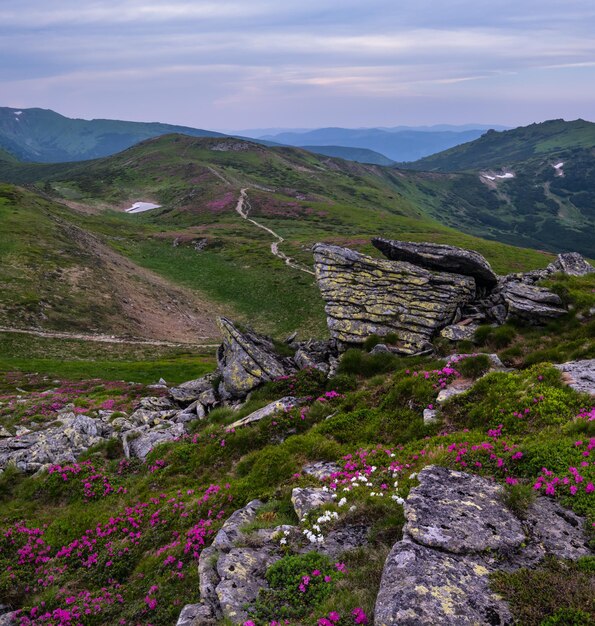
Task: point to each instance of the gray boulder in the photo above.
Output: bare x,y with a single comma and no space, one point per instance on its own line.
460,513
366,296
424,587
580,375
571,263
531,304
247,360
139,442
441,257
458,532
282,405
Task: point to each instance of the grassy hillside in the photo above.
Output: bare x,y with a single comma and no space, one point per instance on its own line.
497,149
302,197
45,136
531,186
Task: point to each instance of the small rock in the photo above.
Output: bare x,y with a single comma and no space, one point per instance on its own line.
580,375
321,469
430,416
307,499
284,404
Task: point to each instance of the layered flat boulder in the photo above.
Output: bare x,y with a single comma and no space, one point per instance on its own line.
366,296
531,304
440,257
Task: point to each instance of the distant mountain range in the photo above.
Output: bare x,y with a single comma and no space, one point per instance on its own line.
44,136
395,144
40,135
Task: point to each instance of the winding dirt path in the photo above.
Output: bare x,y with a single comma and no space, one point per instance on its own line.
243,208
99,338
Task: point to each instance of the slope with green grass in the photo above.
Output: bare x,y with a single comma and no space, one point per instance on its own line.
303,197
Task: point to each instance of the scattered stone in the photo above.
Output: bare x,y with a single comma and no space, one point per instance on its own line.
139,442
306,499
558,530
321,469
282,405
241,576
366,296
441,257
58,444
380,347
580,375
460,513
160,403
430,416
230,531
571,263
456,388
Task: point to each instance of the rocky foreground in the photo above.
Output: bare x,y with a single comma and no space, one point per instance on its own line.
459,529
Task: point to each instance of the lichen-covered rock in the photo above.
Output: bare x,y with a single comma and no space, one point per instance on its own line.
459,332
282,405
306,499
441,257
247,360
558,530
531,304
425,587
580,375
460,513
192,390
571,263
241,576
366,296
196,615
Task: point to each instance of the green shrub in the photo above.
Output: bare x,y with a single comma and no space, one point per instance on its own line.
475,366
362,364
294,588
569,617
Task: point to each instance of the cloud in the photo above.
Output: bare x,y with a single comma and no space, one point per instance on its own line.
263,51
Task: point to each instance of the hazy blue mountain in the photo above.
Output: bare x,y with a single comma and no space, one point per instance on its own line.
361,155
405,145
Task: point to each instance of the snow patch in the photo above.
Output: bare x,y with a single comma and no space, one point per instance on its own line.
141,207
558,165
493,177
17,113
505,175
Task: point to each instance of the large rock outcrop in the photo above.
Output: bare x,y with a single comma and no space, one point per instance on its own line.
366,296
440,257
458,532
247,360
571,263
580,375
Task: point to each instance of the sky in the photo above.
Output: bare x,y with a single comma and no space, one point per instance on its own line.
237,64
